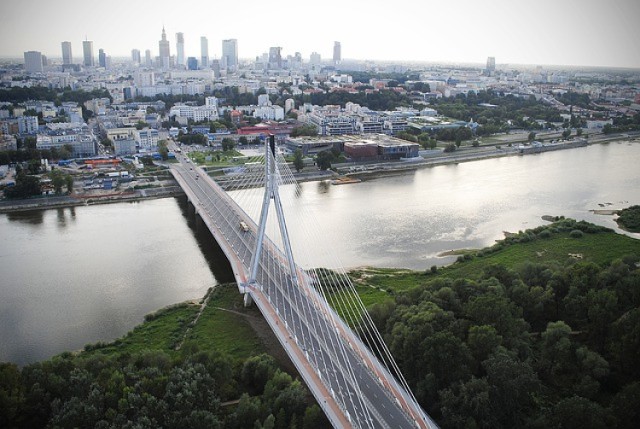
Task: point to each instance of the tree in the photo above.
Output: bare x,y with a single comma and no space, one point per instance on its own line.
450,147
57,180
26,186
566,133
579,132
163,150
68,179
404,135
298,162
141,124
323,160
304,130
243,141
11,393
467,405
514,388
531,137
607,129
314,418
29,143
227,144
577,412
421,87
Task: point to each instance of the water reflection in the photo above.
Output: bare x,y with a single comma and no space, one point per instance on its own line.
31,217
324,186
215,257
64,215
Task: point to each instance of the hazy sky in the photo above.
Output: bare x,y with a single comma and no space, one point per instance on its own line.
566,32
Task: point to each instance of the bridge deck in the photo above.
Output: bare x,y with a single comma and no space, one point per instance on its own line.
349,383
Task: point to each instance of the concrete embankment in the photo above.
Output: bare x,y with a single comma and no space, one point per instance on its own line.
53,202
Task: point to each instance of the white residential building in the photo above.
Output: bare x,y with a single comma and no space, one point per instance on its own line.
270,113
147,138
28,124
80,139
208,112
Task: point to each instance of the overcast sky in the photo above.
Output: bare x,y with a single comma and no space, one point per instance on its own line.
543,32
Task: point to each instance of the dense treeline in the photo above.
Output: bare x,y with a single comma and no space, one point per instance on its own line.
575,99
30,153
379,100
622,124
19,95
522,112
537,345
365,77
152,389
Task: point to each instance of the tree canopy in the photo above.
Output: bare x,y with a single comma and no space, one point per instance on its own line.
531,345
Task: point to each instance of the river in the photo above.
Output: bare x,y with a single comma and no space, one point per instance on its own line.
80,275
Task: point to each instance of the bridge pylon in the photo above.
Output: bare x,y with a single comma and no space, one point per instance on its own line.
271,192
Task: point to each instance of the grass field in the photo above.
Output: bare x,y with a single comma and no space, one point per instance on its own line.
223,325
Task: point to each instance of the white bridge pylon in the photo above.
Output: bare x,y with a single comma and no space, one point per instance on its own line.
271,192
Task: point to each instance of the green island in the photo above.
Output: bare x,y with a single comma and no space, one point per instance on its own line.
540,330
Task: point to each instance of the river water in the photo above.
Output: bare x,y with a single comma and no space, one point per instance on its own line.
80,275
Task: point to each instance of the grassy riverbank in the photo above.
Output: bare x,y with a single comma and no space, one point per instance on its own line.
217,322
554,243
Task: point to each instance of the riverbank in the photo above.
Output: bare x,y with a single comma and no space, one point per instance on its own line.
351,173
467,154
75,200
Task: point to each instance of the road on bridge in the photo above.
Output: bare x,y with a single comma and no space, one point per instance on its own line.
338,368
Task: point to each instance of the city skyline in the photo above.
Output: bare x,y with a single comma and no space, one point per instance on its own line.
569,32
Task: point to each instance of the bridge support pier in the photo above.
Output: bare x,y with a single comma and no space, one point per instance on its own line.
247,299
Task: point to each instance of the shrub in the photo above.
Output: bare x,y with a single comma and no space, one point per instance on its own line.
576,233
545,233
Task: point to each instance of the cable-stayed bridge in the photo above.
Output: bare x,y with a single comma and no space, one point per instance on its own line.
313,312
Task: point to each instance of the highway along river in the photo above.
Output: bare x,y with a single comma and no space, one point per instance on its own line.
74,276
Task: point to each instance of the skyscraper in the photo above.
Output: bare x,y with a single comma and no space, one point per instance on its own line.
165,50
315,58
135,56
204,52
102,58
275,57
180,49
67,56
337,53
87,50
147,58
33,62
491,64
230,54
